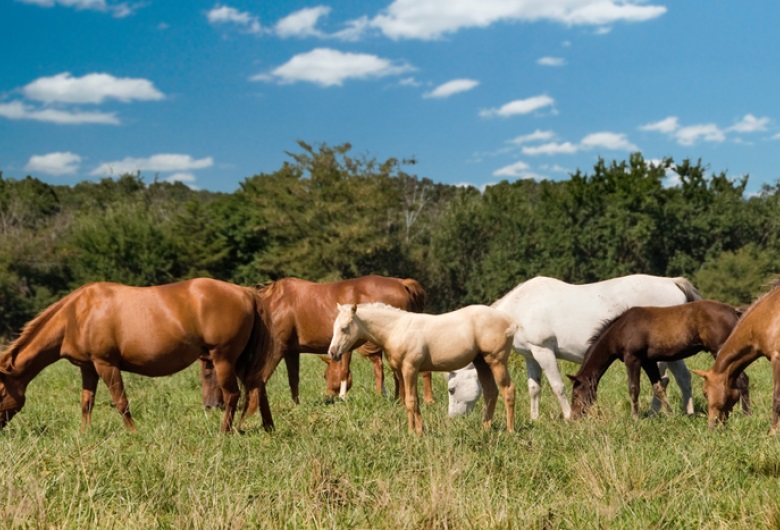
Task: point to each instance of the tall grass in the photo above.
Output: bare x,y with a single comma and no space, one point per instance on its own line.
352,464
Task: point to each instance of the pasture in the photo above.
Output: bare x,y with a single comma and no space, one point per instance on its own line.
352,464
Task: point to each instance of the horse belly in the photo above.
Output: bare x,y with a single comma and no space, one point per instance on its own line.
154,364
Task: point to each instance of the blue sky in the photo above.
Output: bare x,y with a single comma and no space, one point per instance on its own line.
477,91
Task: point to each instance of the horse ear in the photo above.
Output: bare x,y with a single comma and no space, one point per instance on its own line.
574,378
353,309
701,373
325,359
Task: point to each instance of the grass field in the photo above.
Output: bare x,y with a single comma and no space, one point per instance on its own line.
353,465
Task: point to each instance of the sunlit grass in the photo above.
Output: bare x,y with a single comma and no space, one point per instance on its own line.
352,464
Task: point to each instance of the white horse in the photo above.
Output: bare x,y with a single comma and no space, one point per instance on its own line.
557,320
413,342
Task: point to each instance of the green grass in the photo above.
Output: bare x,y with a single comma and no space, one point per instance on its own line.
353,465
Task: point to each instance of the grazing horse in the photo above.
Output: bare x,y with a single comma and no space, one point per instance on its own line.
757,334
106,328
414,342
300,320
557,320
643,336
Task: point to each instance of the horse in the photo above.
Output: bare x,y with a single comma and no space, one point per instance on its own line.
414,342
557,320
463,390
301,315
643,336
757,334
106,328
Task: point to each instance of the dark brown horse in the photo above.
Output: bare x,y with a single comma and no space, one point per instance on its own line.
106,328
756,335
642,337
300,320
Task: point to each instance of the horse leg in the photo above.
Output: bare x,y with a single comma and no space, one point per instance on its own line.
212,394
428,388
632,368
501,376
228,382
409,374
534,372
659,389
343,367
683,377
112,377
776,393
549,364
489,390
89,382
743,384
292,359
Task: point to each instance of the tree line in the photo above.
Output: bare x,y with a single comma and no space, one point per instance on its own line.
327,215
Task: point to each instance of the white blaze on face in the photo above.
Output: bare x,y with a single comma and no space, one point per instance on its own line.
464,390
343,389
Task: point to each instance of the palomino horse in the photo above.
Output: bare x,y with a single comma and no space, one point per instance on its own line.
757,334
557,319
414,342
104,327
300,320
643,336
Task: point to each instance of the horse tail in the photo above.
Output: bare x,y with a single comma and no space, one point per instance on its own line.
513,328
249,365
691,293
416,293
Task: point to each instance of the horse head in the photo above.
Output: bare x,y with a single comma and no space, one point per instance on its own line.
582,396
721,394
333,378
345,331
464,390
11,398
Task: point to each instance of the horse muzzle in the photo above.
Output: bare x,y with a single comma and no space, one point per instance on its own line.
334,355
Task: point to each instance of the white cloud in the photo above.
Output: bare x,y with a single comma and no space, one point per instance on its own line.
54,163
162,162
185,178
708,132
552,148
117,10
518,170
229,15
432,19
302,23
666,126
536,136
92,88
599,140
16,110
749,124
453,87
607,140
519,106
705,132
327,67
354,30
551,61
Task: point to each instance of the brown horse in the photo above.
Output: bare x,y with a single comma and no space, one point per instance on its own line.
104,328
757,334
300,320
642,337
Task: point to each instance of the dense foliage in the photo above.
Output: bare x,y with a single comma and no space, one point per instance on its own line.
328,215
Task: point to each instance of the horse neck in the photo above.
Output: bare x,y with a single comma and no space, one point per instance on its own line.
375,323
597,359
736,354
37,347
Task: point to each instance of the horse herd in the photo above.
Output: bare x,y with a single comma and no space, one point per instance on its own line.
240,334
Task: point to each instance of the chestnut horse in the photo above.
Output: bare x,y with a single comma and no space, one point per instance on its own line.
106,328
414,342
642,337
300,319
756,335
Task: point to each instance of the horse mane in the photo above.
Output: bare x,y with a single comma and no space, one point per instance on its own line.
771,285
605,324
29,330
380,305
267,289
